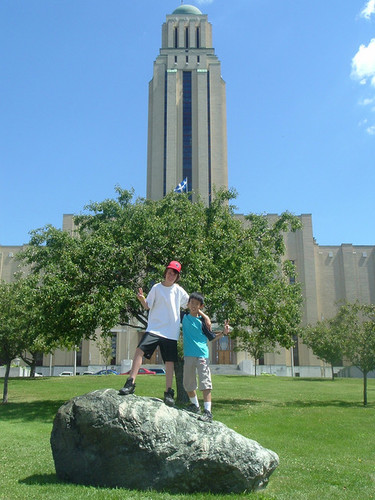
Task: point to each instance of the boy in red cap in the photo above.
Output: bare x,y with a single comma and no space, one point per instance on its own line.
163,304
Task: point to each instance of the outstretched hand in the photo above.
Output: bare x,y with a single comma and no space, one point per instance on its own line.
142,298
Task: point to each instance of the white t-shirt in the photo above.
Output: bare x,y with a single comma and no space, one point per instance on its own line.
164,314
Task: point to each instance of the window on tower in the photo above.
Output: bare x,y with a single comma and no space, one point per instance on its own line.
187,153
292,279
165,135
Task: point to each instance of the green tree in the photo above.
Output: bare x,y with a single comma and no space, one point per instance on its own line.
123,244
105,349
326,341
29,357
255,343
357,323
19,323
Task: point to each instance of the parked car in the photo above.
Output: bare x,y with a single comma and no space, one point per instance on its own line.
66,374
142,371
106,372
159,371
88,373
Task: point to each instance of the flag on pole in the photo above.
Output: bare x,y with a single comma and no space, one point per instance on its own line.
182,187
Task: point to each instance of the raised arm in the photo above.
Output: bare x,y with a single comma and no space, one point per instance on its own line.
142,299
224,332
206,319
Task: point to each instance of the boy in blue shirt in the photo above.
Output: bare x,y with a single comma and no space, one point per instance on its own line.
196,336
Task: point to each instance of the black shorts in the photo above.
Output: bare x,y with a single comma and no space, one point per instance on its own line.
168,347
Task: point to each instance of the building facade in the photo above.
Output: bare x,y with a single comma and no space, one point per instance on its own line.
328,274
187,137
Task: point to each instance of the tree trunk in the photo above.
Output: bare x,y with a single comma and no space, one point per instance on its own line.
30,362
364,388
6,378
33,368
255,367
182,396
333,373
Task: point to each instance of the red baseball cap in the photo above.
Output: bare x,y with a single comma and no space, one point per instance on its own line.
176,266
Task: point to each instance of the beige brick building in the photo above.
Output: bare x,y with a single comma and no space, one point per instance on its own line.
328,274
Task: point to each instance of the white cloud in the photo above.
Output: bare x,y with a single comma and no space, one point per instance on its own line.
370,129
363,63
367,101
368,10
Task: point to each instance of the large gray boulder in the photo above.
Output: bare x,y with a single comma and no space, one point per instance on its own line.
105,439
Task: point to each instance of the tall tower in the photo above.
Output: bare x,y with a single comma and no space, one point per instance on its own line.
187,136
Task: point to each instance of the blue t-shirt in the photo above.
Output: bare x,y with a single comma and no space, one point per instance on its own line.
195,342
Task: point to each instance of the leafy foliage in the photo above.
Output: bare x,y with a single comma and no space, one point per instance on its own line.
20,322
105,348
350,334
326,341
90,278
357,322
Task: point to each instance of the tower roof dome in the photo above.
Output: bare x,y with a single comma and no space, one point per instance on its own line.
187,9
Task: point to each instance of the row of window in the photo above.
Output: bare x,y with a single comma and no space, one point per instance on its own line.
186,38
187,59
39,356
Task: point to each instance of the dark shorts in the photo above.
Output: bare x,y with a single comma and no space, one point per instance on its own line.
168,348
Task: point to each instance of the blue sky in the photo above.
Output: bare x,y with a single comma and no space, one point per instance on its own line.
300,85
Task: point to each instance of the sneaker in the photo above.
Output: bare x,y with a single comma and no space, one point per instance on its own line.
128,388
193,408
169,397
206,416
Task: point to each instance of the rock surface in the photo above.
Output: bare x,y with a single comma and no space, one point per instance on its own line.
104,439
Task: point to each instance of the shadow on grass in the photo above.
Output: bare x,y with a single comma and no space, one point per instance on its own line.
52,479
239,402
320,404
41,479
41,411
290,404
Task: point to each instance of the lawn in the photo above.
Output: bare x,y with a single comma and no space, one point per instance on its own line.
319,428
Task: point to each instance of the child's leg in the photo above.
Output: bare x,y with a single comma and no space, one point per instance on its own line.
205,383
193,398
207,399
129,386
169,392
207,395
137,362
169,369
190,381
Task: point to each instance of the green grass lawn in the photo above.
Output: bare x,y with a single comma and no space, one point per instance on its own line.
323,435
